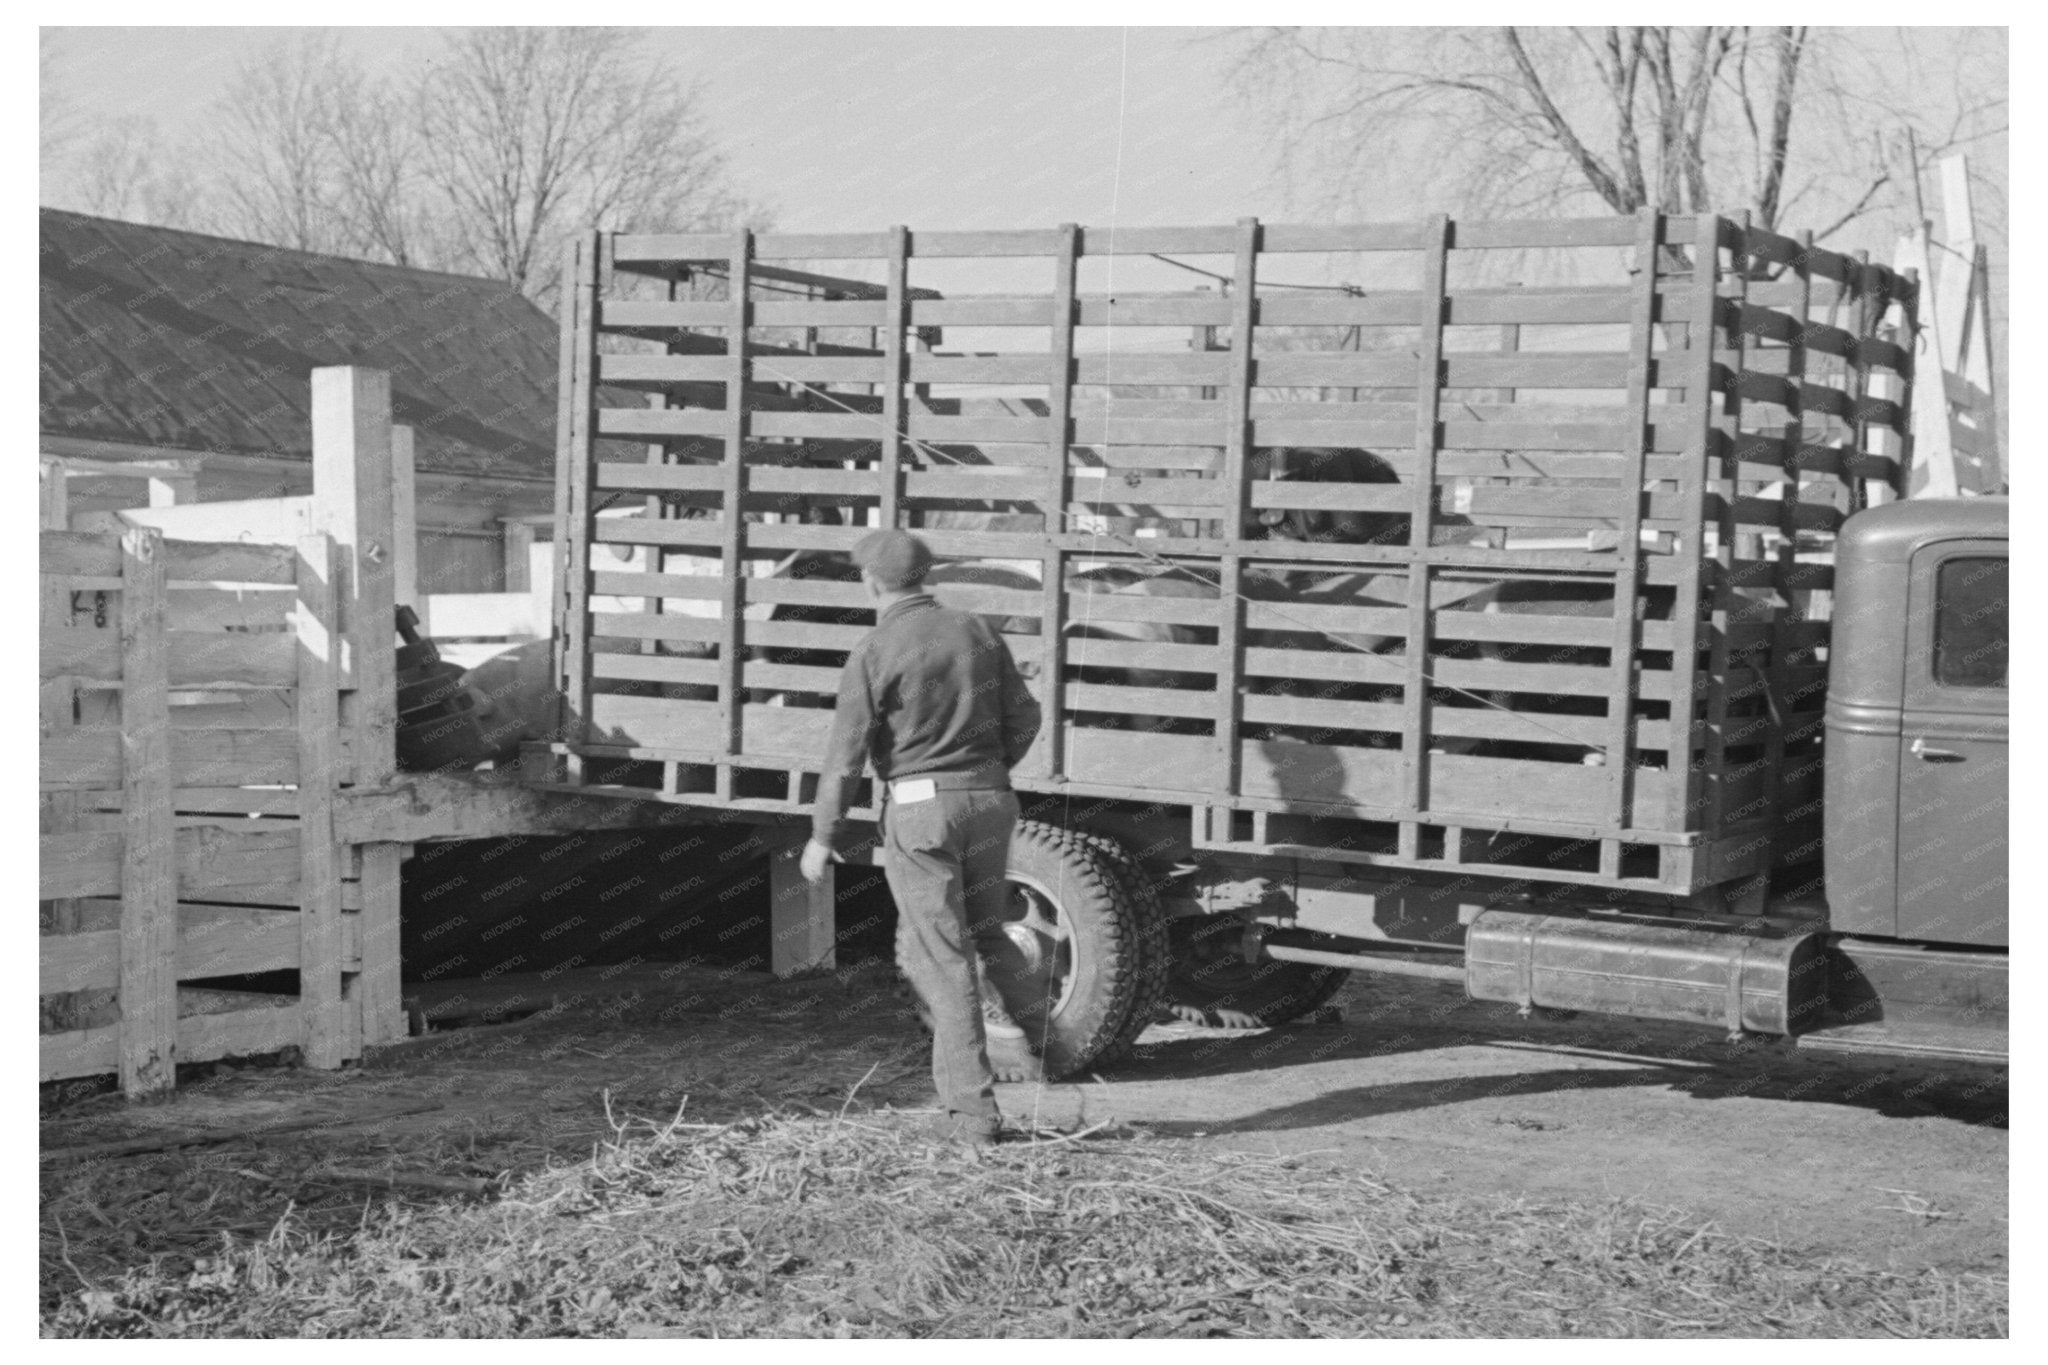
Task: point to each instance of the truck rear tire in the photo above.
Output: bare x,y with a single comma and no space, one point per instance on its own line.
1211,984
1078,977
1155,953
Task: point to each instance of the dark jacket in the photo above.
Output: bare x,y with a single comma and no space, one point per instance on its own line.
928,691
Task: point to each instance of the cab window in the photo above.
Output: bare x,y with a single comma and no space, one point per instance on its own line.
1970,622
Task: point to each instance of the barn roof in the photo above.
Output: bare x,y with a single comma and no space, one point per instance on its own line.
158,337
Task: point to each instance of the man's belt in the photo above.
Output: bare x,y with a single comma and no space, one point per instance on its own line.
922,786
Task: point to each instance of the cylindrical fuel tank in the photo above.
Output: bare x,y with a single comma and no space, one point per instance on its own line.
1652,970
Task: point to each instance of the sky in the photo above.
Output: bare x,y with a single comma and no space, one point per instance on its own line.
858,127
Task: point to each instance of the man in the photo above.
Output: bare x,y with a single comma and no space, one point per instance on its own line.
933,700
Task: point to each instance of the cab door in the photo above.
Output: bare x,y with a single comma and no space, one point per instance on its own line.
1952,846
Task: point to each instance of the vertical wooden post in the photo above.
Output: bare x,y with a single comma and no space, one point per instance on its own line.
1980,367
55,495
1059,485
1932,473
1902,442
575,527
893,376
1724,466
1429,357
518,538
352,503
1706,379
57,698
731,563
1785,568
405,528
1623,681
1236,492
801,917
324,1032
149,870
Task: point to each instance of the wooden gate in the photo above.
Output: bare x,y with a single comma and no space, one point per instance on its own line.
206,709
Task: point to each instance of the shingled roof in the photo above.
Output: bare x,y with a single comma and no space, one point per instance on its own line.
174,339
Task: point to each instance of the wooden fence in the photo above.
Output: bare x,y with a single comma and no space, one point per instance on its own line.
206,709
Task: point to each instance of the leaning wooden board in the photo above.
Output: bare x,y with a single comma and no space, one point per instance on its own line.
1661,444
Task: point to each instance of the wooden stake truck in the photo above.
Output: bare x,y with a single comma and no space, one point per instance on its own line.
1387,614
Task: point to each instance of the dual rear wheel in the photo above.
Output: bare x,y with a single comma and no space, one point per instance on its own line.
1091,958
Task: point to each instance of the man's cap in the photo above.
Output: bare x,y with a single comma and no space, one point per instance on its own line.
897,559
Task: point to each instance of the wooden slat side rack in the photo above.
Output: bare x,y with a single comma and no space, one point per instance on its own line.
1587,645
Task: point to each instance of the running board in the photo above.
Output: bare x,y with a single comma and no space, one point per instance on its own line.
1935,1042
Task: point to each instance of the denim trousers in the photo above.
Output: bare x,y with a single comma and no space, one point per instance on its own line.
945,861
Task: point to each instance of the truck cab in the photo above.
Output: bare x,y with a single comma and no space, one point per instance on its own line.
1917,783
1917,724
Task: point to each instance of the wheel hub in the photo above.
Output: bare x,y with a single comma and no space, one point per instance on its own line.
1036,972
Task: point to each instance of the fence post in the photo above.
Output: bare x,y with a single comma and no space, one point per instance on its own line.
149,863
352,502
57,700
405,528
324,1031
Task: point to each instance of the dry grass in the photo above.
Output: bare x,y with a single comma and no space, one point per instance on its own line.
854,1223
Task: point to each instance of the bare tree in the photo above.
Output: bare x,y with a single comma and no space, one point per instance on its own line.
1681,119
539,132
278,172
482,163
124,172
380,198
56,115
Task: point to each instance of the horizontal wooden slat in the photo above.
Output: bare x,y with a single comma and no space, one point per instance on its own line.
823,369
201,1038
980,369
259,521
635,368
655,722
654,668
213,940
239,1033
660,422
993,485
1176,310
210,859
197,658
1138,701
74,554
804,634
653,531
1537,232
654,627
1139,368
1086,651
956,430
1287,238
789,677
79,865
943,245
981,312
90,757
227,803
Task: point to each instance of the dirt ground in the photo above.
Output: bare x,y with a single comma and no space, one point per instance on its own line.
1901,1166
1898,1167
